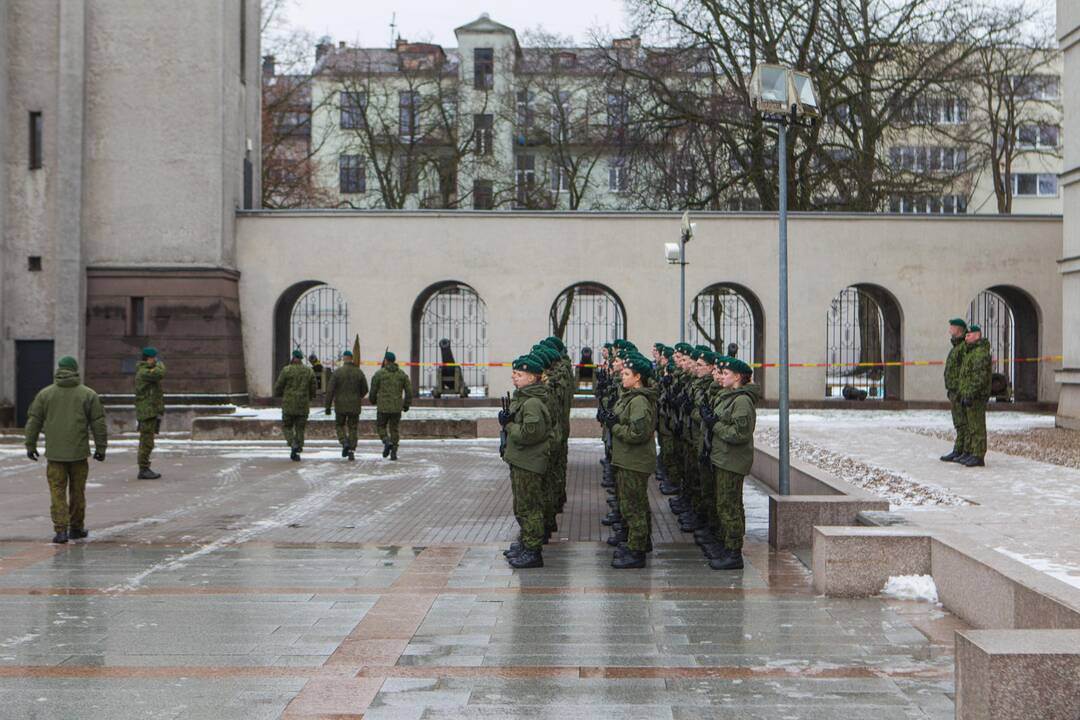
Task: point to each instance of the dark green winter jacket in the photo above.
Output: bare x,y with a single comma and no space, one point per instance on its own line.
699,393
68,412
733,433
346,389
296,386
976,371
553,380
149,395
391,391
633,444
529,433
952,365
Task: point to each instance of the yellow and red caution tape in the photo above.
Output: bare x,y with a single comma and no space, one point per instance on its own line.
891,363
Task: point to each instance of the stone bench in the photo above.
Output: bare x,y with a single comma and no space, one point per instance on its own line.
858,561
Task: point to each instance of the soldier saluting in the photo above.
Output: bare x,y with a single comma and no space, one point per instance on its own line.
296,386
149,407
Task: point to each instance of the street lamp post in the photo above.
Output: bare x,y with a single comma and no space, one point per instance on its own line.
784,97
676,255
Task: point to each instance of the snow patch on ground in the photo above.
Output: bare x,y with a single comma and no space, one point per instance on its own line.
911,587
1065,573
896,487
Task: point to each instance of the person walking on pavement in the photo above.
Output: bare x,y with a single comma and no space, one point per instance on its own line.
529,443
976,373
68,412
957,330
731,420
296,386
345,393
633,454
149,407
391,393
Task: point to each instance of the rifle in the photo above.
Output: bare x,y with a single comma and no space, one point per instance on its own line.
502,433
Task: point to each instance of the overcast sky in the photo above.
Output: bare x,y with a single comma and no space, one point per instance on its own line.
367,22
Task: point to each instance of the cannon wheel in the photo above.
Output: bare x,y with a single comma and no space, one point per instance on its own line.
436,393
464,391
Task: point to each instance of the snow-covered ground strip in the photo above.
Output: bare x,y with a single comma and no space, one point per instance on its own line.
892,485
911,587
1065,573
415,413
1004,421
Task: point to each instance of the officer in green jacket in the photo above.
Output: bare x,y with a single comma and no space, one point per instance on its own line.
976,373
528,427
344,393
149,407
957,330
633,424
296,386
391,393
67,412
565,367
665,425
732,420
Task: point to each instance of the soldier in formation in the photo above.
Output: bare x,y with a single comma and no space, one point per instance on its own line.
391,393
344,395
68,412
296,386
149,407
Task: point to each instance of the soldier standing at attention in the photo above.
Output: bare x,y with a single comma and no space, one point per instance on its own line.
732,420
296,386
68,412
957,330
344,393
149,407
391,393
528,447
976,372
633,424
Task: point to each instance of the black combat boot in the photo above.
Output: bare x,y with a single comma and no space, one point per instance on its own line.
60,537
385,449
620,535
608,481
666,488
704,536
974,461
393,452
678,505
689,521
352,453
77,533
613,502
514,550
961,458
527,559
629,559
294,455
714,551
950,457
731,560
612,518
148,474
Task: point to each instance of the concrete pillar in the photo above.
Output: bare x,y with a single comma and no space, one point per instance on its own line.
69,329
7,361
1068,30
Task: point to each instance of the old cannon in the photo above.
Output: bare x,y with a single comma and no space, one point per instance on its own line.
586,373
449,379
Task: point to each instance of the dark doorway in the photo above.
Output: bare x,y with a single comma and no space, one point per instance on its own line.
33,371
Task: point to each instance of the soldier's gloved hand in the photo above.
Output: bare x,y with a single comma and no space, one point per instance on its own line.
611,419
99,455
966,402
404,408
667,380
687,403
327,411
504,417
708,416
32,454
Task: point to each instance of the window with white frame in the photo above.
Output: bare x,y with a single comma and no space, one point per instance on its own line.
1036,87
618,176
1034,184
408,114
484,133
351,177
560,179
525,177
353,108
560,117
523,116
937,110
928,204
1042,137
922,158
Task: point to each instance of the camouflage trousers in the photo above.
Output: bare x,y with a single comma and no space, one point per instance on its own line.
708,496
67,488
729,508
147,430
293,428
672,464
346,425
561,460
528,491
691,485
975,432
386,424
634,506
959,421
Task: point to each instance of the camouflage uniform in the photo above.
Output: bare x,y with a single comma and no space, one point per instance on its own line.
149,407
344,393
952,390
634,457
391,393
296,386
732,457
528,448
976,372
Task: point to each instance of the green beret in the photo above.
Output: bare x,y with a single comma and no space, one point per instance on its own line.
530,364
736,365
631,346
671,366
723,361
389,356
684,348
149,352
298,354
619,343
642,366
543,353
556,343
667,351
346,353
68,363
711,357
974,328
658,347
609,346
695,352
958,322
